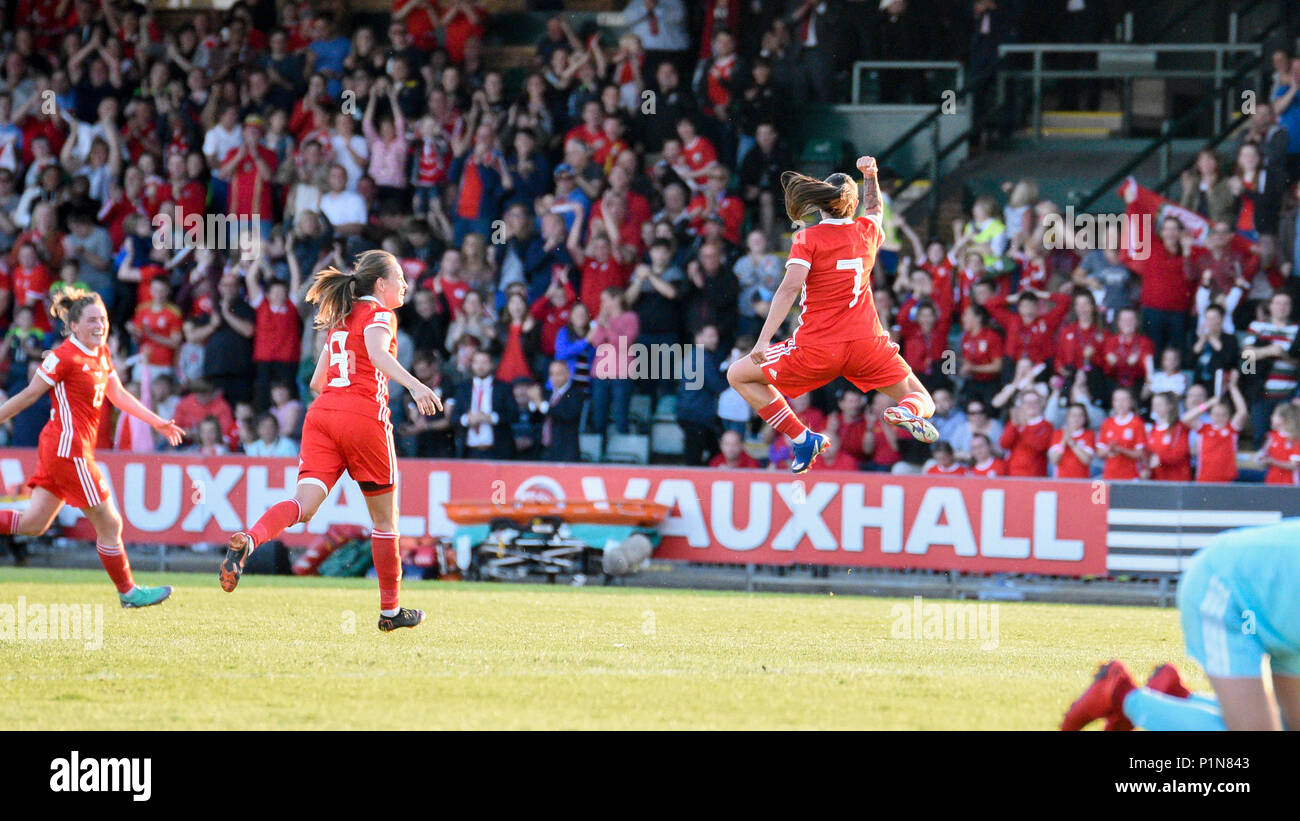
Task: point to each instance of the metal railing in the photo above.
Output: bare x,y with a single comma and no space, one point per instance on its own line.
1168,133
1131,58
959,72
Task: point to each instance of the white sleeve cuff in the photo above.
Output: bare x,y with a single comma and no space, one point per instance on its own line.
44,376
792,260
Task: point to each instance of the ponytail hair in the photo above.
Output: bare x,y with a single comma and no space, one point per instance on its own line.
837,195
335,292
70,303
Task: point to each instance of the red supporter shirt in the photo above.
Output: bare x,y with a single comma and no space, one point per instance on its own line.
1034,339
837,301
596,277
1070,466
1128,432
277,334
924,352
460,29
729,208
1283,449
1072,345
989,467
1124,360
939,470
163,322
1165,284
453,290
31,286
1027,446
983,348
353,384
1218,462
594,139
744,460
250,192
842,461
851,435
1171,445
699,155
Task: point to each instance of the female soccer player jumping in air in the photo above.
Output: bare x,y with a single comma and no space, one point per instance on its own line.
839,332
1239,604
80,370
348,426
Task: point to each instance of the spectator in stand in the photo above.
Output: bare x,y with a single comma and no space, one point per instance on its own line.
662,28
1027,437
1205,190
983,458
1127,355
945,463
269,442
227,338
978,422
834,457
482,177
1268,349
484,412
760,175
277,328
849,423
697,397
981,354
613,333
1287,109
1030,332
880,444
1169,379
1281,452
712,295
1169,442
203,401
209,440
1122,440
156,328
1166,295
1074,446
1216,441
1215,351
732,455
560,414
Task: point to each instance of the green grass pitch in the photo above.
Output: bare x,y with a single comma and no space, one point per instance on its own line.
290,653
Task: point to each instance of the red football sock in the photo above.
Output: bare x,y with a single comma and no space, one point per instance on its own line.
113,558
388,565
9,520
918,403
279,516
782,419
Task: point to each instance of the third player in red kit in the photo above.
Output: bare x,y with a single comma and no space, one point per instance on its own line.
348,426
839,332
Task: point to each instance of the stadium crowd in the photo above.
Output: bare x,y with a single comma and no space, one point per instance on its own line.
624,198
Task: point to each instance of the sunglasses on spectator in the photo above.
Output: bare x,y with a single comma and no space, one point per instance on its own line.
974,411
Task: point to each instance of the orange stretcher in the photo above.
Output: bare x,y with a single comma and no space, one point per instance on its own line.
630,512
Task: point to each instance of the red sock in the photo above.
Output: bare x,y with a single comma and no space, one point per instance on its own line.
9,520
113,558
279,516
919,404
388,565
782,419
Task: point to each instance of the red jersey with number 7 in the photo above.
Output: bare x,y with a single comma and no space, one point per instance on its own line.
80,378
837,301
352,382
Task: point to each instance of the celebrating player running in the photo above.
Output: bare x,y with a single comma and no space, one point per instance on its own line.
839,332
348,426
80,370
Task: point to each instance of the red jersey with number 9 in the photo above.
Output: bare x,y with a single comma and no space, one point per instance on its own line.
80,378
837,301
352,382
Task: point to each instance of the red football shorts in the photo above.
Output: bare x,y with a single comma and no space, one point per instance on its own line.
334,442
77,481
794,369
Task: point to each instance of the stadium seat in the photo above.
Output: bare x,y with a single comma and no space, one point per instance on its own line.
632,448
667,440
589,446
639,409
666,411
